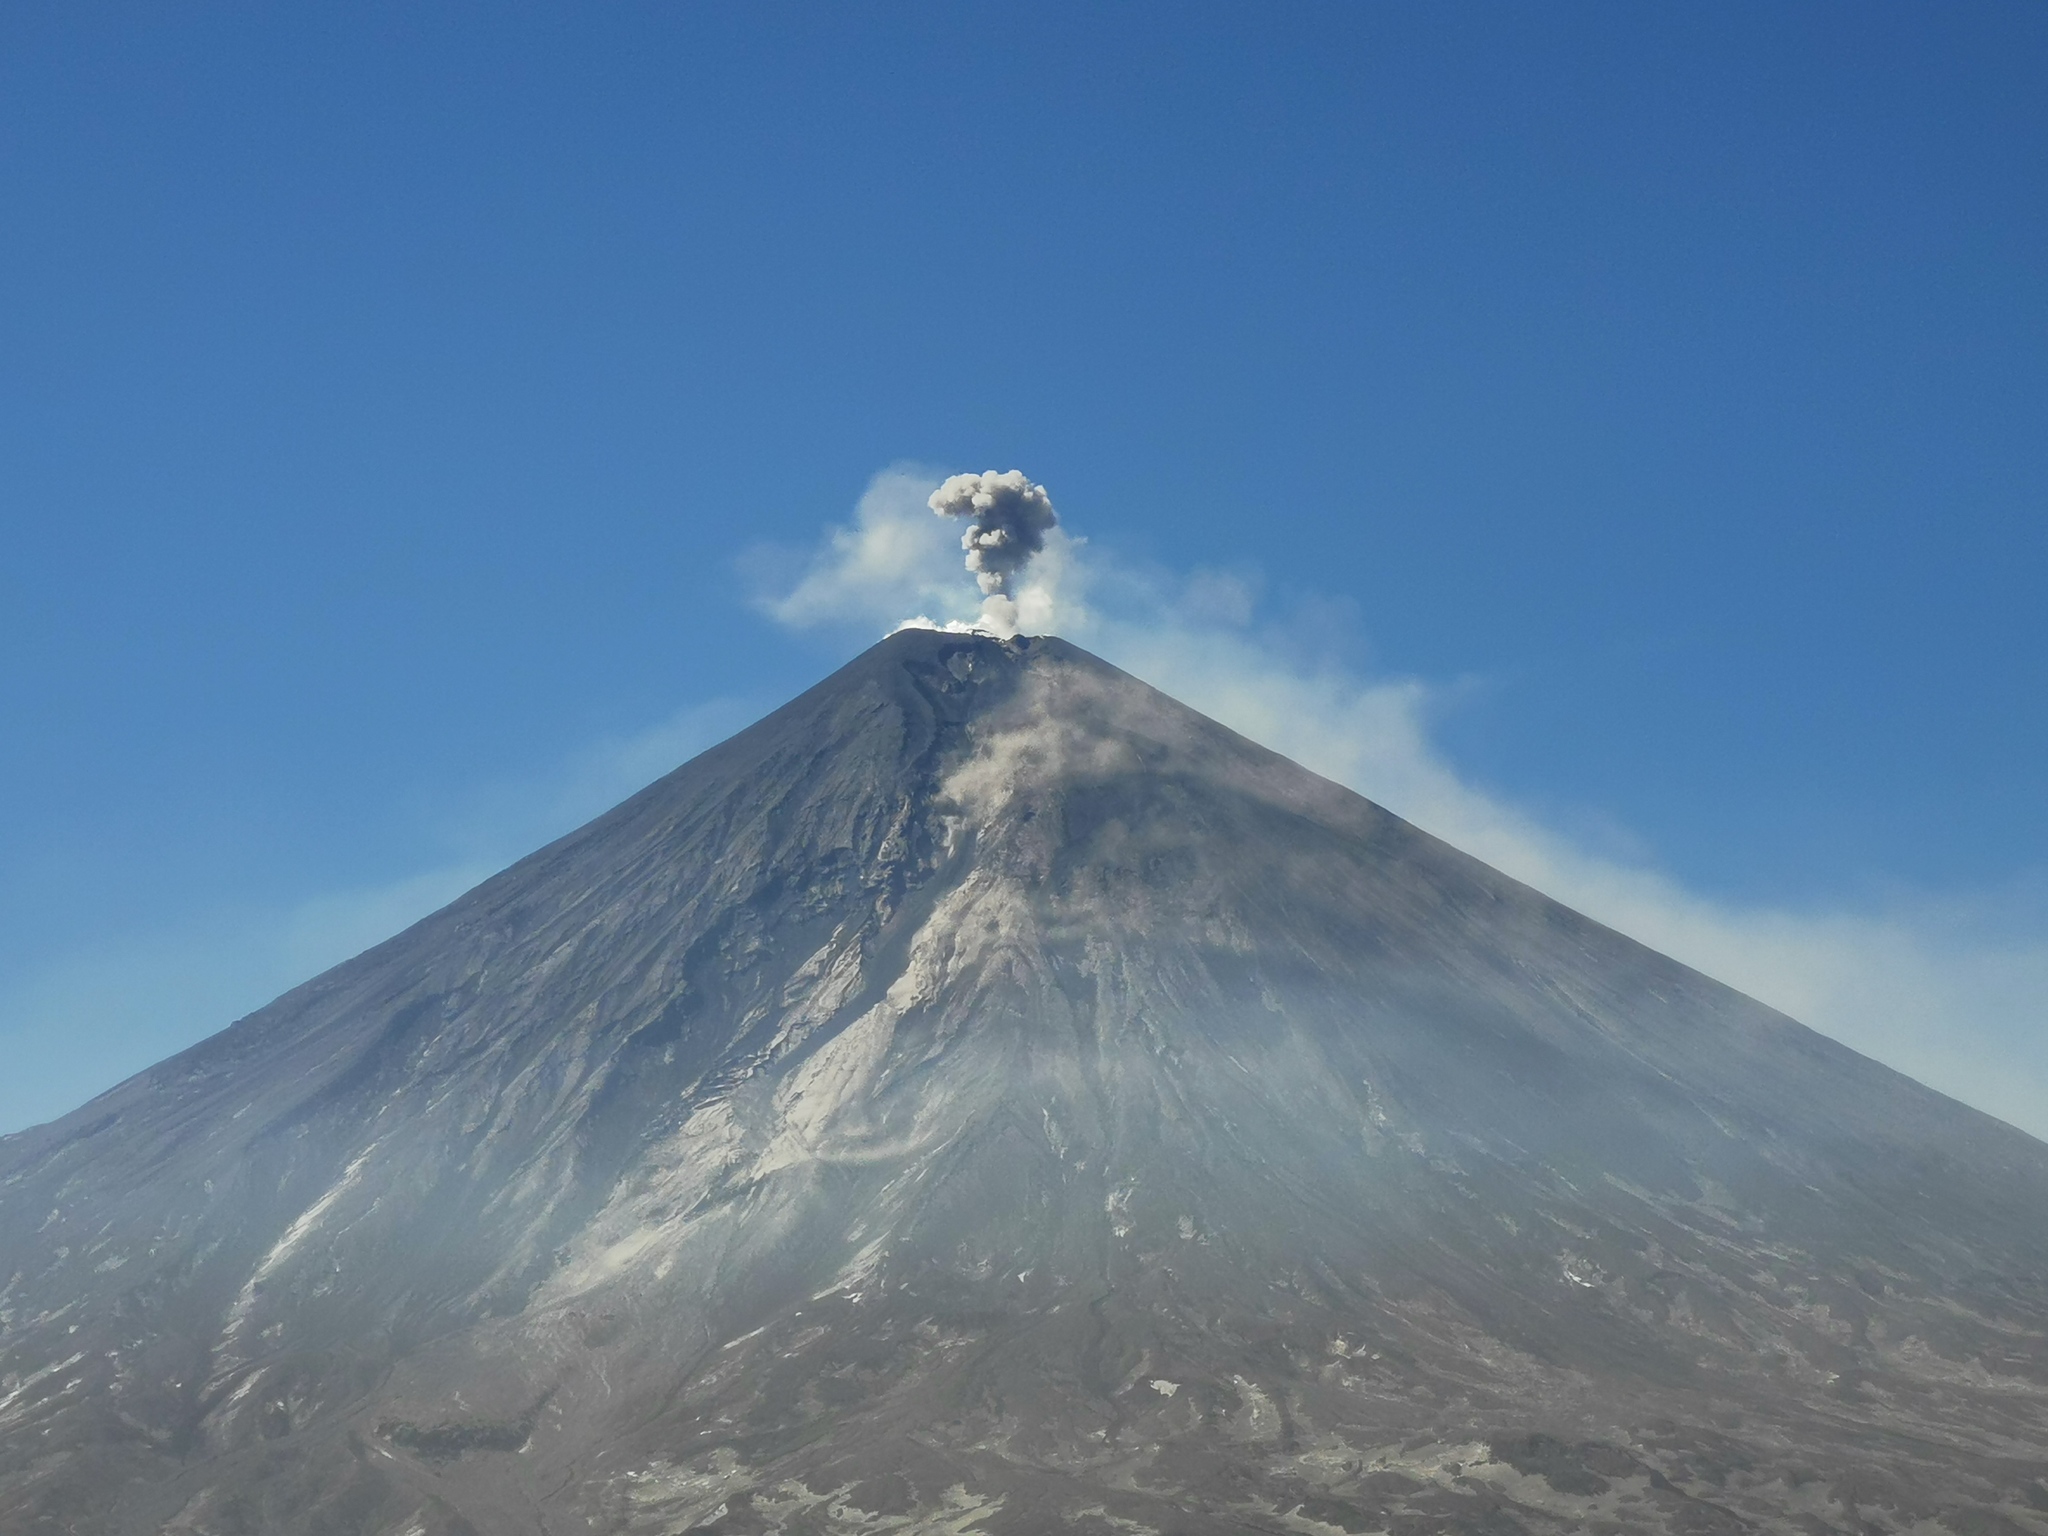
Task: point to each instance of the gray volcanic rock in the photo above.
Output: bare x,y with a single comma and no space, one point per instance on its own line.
986,1096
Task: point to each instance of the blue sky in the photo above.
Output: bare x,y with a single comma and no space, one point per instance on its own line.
1637,415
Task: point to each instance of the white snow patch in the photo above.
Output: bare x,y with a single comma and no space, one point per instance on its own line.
294,1236
10,1414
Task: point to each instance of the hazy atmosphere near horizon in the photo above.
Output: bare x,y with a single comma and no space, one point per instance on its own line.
1614,438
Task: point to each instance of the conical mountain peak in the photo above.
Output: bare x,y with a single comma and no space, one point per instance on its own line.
986,1095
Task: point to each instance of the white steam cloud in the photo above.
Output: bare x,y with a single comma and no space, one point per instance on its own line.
894,564
1951,989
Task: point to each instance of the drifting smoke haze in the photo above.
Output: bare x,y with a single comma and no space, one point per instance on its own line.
1945,988
1951,988
899,567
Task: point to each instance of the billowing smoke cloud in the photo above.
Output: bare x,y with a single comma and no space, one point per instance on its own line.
1008,517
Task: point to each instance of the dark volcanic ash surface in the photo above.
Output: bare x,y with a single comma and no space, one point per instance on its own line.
986,1096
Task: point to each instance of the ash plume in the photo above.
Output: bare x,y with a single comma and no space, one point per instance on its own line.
1008,518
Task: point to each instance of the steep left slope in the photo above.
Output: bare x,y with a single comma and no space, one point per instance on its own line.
399,1147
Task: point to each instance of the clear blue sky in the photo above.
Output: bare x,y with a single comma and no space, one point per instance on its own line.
390,394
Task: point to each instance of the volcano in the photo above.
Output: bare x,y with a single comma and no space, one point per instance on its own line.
988,1096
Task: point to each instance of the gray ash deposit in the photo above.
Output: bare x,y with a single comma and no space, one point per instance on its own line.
986,1096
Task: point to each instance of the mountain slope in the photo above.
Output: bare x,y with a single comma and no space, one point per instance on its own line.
986,1095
